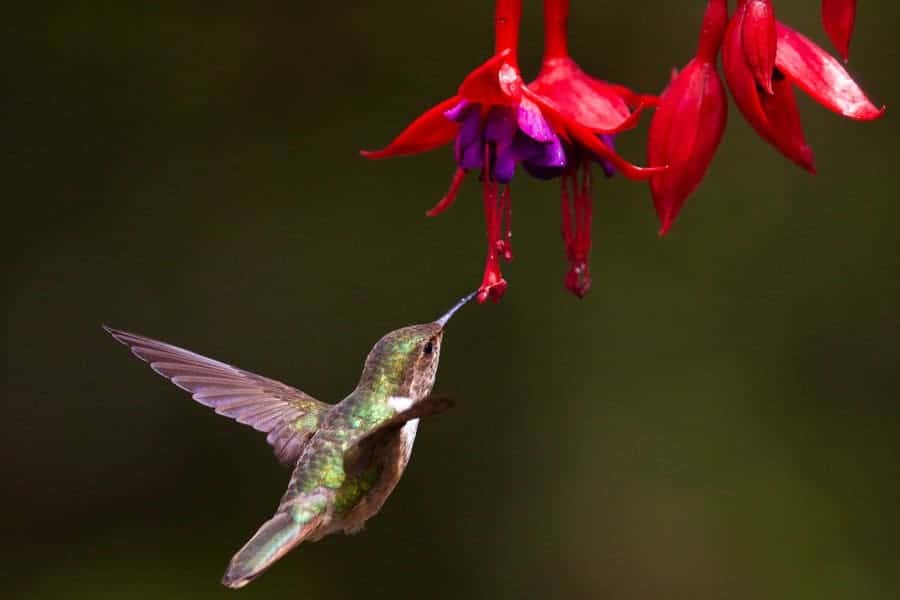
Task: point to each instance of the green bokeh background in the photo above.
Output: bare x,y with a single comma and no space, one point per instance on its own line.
719,418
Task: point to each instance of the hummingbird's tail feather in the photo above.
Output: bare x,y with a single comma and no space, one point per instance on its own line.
273,540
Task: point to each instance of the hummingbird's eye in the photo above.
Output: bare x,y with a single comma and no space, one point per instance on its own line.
429,348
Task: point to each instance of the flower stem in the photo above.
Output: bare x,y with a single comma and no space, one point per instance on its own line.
714,20
556,24
507,15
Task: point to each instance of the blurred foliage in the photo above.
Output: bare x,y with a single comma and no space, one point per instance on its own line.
719,418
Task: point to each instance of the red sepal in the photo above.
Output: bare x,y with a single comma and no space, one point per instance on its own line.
783,118
774,117
495,82
431,130
839,17
450,197
570,129
597,105
818,74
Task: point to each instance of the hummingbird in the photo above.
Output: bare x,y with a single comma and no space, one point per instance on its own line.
346,457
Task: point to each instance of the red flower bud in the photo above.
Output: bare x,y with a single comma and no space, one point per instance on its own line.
689,122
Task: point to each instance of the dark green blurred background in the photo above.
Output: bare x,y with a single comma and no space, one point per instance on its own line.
719,418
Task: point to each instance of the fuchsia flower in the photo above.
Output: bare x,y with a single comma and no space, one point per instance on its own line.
586,113
498,123
689,121
767,100
495,128
838,17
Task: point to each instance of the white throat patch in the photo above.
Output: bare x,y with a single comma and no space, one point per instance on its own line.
399,403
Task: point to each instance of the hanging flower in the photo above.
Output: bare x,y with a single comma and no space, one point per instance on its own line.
772,111
587,113
495,128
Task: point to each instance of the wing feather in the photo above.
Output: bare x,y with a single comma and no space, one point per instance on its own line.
426,407
287,415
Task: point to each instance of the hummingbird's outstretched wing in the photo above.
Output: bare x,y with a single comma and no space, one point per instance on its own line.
286,414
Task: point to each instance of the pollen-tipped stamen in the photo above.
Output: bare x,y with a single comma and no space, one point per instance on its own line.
493,285
578,244
565,210
504,244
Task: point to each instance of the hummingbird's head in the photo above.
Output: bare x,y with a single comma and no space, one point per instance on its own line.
404,362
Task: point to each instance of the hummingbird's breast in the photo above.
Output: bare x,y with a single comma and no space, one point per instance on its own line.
372,478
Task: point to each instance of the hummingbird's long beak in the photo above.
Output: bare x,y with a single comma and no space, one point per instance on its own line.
446,316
